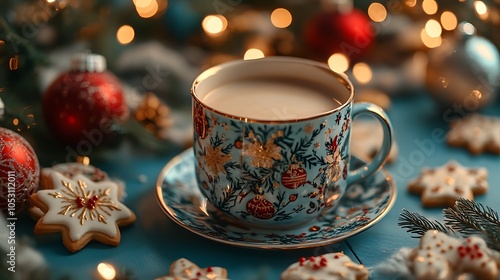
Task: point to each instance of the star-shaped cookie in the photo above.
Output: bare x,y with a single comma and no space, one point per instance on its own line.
444,185
82,210
183,269
333,266
69,170
477,133
440,256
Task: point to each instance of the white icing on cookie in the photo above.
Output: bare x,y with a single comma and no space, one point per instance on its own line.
440,256
444,185
477,133
183,269
71,169
334,266
366,140
83,206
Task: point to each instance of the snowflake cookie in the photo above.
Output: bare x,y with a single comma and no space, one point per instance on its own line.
440,256
70,170
444,185
477,133
334,266
366,140
183,269
82,210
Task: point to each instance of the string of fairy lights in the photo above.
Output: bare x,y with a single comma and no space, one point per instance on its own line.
431,34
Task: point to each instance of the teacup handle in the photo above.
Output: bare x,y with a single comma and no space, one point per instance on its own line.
379,114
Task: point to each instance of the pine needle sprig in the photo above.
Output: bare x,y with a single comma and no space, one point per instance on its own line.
419,225
472,218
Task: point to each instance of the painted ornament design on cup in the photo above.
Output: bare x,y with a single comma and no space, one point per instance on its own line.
271,159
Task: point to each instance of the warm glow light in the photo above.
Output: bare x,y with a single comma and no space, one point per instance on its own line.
106,271
146,8
214,24
362,72
377,12
281,18
143,3
253,54
433,28
50,1
430,42
430,7
480,7
125,34
338,62
411,3
448,20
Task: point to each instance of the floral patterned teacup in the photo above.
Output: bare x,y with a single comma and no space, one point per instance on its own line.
283,159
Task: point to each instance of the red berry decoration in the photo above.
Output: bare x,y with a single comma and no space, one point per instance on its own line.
260,208
81,106
200,122
347,32
19,171
294,177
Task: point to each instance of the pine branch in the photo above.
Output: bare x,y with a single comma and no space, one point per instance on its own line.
472,218
419,225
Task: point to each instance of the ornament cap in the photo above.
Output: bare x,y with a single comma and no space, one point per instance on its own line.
88,62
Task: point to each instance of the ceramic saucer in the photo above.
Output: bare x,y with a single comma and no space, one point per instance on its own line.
362,206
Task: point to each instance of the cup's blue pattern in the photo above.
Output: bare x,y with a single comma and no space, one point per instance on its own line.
272,174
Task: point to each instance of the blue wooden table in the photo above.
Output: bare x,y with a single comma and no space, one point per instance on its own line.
150,245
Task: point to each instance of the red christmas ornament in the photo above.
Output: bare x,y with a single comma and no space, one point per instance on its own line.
332,32
294,177
19,171
260,208
84,103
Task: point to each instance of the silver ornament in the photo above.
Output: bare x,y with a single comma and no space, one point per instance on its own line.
464,72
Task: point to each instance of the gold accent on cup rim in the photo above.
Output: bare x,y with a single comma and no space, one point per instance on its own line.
342,78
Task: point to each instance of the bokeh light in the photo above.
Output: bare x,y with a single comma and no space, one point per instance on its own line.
146,8
106,271
281,18
214,24
411,3
377,12
433,28
125,34
338,62
362,72
430,7
481,9
430,42
253,54
448,20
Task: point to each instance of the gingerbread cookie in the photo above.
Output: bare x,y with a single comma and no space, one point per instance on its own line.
444,185
334,266
440,256
69,170
82,211
366,140
183,269
477,133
